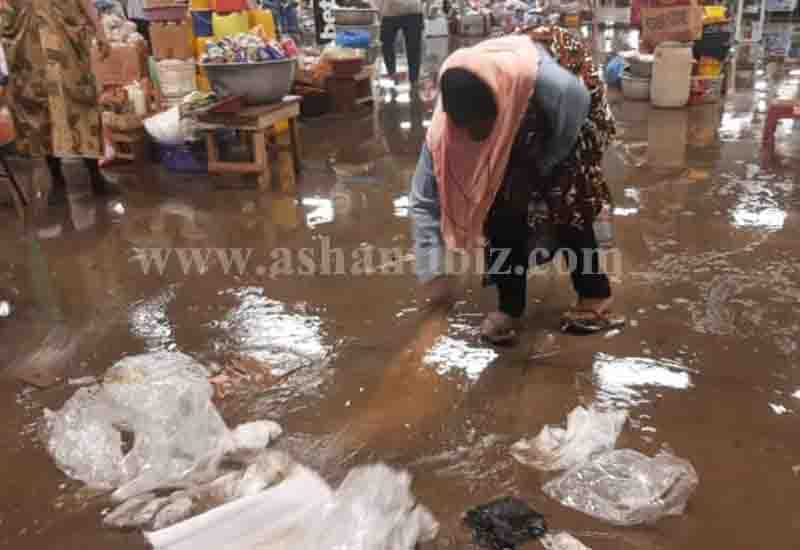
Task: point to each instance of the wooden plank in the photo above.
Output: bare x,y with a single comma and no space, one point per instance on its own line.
297,146
235,168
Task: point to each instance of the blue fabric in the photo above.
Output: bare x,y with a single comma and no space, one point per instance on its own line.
426,219
614,70
564,102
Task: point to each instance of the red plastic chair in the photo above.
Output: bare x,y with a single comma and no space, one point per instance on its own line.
778,110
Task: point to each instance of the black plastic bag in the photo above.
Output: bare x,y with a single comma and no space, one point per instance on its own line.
504,524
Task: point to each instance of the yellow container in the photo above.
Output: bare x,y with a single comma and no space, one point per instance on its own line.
201,4
714,14
708,66
200,45
203,84
266,20
231,24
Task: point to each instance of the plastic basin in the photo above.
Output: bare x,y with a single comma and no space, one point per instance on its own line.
257,83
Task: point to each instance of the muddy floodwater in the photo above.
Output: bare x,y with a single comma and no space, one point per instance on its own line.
356,371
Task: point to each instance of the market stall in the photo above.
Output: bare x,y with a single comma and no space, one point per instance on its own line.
682,55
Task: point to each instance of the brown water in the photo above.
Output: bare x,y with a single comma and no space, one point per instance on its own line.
709,278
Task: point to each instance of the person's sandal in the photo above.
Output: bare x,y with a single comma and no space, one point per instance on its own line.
586,322
499,329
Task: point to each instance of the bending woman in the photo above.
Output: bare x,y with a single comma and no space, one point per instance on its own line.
514,151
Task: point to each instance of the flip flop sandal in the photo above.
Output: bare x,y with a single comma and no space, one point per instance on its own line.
586,322
497,336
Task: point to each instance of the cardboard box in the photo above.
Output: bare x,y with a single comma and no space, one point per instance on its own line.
125,65
172,40
679,24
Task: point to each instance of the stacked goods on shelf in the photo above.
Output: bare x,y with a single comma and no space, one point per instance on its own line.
125,93
357,27
711,52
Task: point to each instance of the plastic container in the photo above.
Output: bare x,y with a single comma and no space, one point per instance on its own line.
183,158
672,73
203,23
231,24
266,20
227,6
635,88
258,83
200,5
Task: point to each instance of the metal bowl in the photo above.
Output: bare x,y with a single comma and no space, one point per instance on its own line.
258,83
355,17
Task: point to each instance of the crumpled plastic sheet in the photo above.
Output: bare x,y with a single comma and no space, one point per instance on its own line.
625,487
267,469
589,432
562,541
162,400
373,509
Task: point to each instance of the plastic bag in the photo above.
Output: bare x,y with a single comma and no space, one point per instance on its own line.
164,401
373,509
625,487
589,431
562,541
505,524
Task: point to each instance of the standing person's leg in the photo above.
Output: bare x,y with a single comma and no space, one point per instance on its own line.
58,193
389,28
413,27
100,185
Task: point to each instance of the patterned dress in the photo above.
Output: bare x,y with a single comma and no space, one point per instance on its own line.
51,90
583,189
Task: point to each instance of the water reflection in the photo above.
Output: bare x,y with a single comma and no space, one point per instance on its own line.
267,331
148,320
320,211
757,206
401,206
627,380
452,355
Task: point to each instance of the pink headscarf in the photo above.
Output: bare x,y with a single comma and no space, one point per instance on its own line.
469,174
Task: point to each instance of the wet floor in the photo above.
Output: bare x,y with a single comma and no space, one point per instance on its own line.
707,272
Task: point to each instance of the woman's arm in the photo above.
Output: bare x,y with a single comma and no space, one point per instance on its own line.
426,220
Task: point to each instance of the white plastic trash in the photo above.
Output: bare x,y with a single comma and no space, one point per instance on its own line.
589,432
625,487
672,75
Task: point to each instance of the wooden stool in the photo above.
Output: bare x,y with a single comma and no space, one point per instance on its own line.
778,110
130,145
350,92
256,124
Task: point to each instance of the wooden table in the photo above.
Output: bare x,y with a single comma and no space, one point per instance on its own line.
257,128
